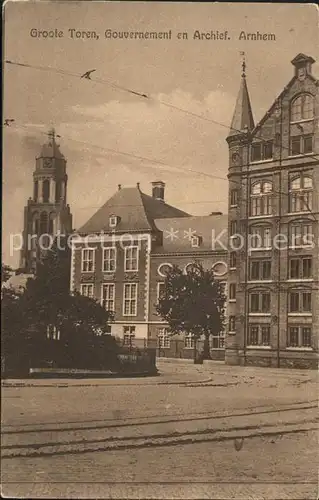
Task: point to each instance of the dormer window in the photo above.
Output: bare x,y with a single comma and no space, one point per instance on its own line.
114,220
196,241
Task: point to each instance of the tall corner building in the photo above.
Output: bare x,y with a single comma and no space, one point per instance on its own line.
273,227
47,212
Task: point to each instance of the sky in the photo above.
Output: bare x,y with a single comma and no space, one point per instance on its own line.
93,117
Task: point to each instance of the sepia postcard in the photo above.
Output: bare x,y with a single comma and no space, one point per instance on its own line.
160,263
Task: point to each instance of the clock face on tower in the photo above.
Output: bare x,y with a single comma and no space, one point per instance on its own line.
47,162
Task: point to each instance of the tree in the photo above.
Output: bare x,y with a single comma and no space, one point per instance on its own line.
6,272
193,303
47,301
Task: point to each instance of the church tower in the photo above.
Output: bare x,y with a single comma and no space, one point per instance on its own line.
47,213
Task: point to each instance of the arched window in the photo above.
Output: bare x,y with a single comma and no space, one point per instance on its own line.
35,223
58,191
51,223
46,190
261,198
36,191
302,108
300,193
43,223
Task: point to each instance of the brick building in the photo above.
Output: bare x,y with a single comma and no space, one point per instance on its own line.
273,226
120,255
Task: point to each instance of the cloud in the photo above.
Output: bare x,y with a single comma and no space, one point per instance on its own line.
92,138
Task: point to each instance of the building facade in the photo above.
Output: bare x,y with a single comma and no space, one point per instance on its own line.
273,227
120,256
186,240
47,212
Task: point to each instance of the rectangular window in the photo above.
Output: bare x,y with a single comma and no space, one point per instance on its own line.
268,150
300,302
233,227
131,258
262,151
130,299
233,197
294,302
300,268
232,323
306,302
266,270
307,144
260,237
109,259
255,206
232,260
299,336
164,340
260,302
189,341
217,341
87,290
260,270
296,146
265,335
302,144
108,296
306,336
253,335
52,332
300,235
88,259
160,289
258,335
232,291
256,152
128,335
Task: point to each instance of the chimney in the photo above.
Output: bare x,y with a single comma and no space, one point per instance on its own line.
119,187
158,188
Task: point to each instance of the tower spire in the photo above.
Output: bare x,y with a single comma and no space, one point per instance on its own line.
243,65
243,120
51,134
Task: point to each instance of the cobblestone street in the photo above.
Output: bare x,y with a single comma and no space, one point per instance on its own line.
195,431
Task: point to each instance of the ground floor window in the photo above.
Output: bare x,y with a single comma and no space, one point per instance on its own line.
53,333
164,340
258,335
128,335
299,336
189,341
217,341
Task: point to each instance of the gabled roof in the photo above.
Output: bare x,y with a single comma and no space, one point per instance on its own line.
243,120
136,212
212,230
300,58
